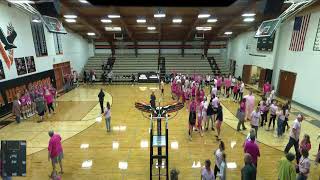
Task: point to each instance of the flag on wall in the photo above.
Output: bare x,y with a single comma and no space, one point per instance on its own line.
299,32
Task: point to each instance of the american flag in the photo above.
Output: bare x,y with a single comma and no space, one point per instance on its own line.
299,32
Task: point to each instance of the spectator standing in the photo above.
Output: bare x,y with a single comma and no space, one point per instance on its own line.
16,109
249,171
107,115
286,169
55,152
101,99
207,172
294,136
252,148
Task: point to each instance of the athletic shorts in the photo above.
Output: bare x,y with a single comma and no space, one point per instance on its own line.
192,118
162,90
218,88
41,113
57,159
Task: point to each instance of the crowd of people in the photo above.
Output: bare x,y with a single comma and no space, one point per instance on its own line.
37,99
205,108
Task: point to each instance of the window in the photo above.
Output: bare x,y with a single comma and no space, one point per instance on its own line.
57,43
39,39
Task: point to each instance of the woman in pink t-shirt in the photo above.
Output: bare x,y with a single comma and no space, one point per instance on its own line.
55,151
49,100
227,83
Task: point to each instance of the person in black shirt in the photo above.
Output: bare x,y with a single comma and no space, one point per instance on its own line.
133,79
153,100
101,99
219,120
85,76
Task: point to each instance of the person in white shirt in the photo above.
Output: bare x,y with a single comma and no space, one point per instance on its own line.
162,87
218,158
255,116
207,172
214,91
204,111
273,113
233,83
304,165
241,90
282,114
294,136
223,168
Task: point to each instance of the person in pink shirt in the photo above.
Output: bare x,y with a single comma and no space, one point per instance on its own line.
227,82
305,143
250,99
55,152
192,116
235,91
252,148
219,83
49,99
173,88
201,94
266,89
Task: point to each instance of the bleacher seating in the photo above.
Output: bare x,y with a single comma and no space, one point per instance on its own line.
95,63
126,65
222,66
189,64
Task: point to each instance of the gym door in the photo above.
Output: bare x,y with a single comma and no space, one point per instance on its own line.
287,81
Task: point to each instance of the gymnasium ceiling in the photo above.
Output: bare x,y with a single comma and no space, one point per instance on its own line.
229,18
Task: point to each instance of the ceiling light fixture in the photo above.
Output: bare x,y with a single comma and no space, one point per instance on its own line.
248,19
70,16
248,14
228,33
113,16
36,20
151,28
110,28
70,20
177,20
206,28
106,20
213,20
91,34
21,1
204,15
159,15
141,20
84,1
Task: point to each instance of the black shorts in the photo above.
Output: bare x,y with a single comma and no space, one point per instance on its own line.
218,88
215,110
192,118
41,113
162,90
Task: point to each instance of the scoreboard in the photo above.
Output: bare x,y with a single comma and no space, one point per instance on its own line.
13,158
265,43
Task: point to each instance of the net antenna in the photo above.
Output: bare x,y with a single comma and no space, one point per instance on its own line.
267,28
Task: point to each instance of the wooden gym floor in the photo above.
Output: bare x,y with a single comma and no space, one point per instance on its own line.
77,120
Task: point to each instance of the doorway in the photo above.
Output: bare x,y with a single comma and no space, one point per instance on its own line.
286,84
246,73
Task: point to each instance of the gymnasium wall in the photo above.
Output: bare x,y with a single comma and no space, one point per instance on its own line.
305,63
75,48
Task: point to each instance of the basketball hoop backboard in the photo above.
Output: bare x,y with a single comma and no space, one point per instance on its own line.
267,28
